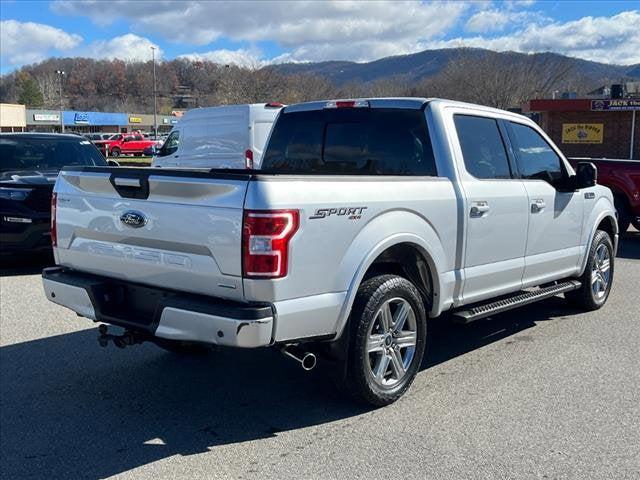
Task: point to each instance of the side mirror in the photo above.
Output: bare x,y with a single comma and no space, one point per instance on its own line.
586,175
113,163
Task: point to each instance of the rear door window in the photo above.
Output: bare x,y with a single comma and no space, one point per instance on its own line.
482,147
354,141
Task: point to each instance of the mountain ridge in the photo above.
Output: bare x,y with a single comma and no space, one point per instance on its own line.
416,66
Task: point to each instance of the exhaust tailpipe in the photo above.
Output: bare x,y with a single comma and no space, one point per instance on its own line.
307,360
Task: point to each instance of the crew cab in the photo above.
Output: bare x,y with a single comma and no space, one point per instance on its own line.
366,217
623,178
125,144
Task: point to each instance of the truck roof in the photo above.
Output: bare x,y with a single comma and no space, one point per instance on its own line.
394,102
197,113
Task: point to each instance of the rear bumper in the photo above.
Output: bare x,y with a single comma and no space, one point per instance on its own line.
161,313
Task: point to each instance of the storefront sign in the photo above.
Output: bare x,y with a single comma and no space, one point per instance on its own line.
135,120
582,132
615,104
81,118
46,117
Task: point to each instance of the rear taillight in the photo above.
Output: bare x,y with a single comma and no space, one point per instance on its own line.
248,159
265,242
54,232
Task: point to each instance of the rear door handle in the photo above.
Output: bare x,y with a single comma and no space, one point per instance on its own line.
538,205
478,209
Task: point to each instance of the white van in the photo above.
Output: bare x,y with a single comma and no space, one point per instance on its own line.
231,136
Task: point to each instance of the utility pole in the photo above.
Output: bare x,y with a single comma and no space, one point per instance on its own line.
155,105
61,75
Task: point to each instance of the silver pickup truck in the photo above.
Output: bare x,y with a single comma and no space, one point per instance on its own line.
366,217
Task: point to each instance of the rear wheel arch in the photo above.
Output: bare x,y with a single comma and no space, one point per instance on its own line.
383,259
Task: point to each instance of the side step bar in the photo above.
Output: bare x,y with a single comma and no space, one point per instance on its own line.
481,311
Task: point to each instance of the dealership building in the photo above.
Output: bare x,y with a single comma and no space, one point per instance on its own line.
591,127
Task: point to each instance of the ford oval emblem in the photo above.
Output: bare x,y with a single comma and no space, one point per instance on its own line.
133,219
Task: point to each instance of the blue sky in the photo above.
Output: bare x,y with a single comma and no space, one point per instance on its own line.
255,33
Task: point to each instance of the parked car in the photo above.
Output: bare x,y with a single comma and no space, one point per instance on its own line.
124,144
366,217
232,136
97,136
29,165
623,178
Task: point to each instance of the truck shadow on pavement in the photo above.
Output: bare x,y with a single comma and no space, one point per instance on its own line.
70,409
25,264
73,410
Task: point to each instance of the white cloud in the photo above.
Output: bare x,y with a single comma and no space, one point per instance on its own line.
127,47
347,30
29,42
603,39
240,57
488,21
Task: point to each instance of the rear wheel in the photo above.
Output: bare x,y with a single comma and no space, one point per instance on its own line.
114,152
387,343
598,275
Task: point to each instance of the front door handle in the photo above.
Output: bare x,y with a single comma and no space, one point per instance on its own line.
538,205
478,209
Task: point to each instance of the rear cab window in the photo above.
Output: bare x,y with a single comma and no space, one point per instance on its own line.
351,141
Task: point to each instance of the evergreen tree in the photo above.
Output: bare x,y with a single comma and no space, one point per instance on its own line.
30,94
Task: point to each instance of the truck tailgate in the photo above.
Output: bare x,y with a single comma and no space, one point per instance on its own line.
179,230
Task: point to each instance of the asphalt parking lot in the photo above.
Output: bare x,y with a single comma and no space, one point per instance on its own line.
544,392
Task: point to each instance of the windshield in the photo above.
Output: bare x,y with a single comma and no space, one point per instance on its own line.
23,153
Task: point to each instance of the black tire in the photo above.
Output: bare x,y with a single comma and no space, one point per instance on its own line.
114,153
182,348
624,217
636,224
360,381
585,297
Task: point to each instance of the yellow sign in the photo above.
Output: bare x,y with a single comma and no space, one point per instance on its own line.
135,120
582,132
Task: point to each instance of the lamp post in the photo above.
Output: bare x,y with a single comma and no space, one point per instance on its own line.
61,75
155,105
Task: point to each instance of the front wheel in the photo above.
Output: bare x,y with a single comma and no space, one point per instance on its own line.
387,343
598,275
115,152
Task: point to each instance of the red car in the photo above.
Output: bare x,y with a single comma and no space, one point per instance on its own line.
623,178
124,144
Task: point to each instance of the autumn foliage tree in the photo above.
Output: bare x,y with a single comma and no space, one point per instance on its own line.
494,79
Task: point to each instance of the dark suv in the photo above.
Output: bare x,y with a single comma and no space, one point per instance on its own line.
29,166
